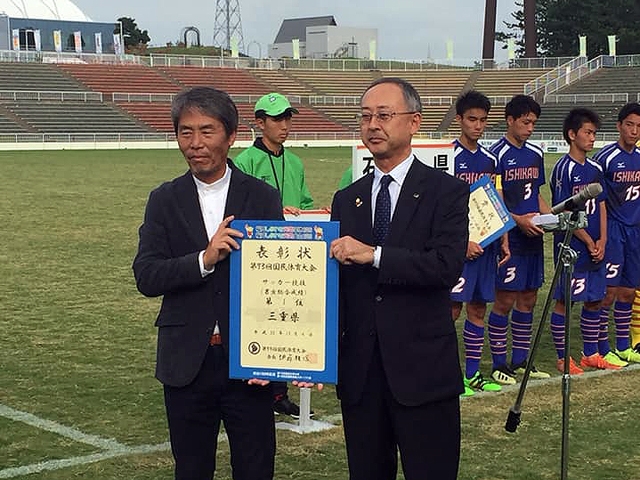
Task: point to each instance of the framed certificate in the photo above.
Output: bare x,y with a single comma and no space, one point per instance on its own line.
283,322
488,216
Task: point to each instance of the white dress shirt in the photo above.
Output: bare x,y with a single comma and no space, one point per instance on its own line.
398,173
213,199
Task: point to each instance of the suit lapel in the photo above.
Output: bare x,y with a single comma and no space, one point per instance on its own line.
413,188
237,195
189,206
360,205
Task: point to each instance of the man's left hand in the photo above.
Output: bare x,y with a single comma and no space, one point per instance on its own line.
347,250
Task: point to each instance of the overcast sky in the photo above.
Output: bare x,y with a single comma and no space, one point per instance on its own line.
407,29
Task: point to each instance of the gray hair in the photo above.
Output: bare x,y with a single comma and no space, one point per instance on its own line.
209,101
411,96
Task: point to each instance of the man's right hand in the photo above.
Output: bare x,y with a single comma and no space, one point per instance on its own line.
221,244
474,250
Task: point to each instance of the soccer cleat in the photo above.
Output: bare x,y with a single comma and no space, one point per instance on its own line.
287,407
615,359
477,382
597,361
504,375
468,391
573,368
534,373
629,355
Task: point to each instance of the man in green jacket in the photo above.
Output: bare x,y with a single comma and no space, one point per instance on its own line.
268,160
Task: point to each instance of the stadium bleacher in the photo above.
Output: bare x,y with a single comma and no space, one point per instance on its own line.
327,100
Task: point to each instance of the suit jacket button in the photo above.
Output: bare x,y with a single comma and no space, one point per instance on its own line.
378,298
372,333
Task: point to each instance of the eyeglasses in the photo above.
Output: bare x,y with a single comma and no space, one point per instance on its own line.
381,117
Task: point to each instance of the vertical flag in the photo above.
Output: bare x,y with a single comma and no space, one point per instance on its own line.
373,47
234,47
583,45
612,45
117,44
511,48
15,36
295,45
98,36
449,49
57,40
37,39
77,39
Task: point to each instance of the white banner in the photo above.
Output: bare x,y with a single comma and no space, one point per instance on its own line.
511,48
37,39
77,39
295,45
434,153
15,36
98,37
234,47
612,45
583,45
449,49
57,40
373,47
117,44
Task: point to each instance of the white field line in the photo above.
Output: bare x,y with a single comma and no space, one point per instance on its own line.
59,429
84,460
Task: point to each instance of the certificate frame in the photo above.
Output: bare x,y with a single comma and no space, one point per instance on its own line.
279,349
489,218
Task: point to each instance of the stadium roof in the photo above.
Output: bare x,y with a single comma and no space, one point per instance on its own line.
43,9
297,27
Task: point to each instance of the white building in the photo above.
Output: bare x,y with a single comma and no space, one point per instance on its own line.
321,37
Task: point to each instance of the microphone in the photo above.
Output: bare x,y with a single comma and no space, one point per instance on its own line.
579,199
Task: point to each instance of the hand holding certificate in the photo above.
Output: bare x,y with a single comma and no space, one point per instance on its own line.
488,216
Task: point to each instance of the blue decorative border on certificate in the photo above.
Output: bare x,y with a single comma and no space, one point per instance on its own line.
279,230
499,206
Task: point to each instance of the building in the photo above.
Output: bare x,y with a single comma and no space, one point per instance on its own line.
321,37
54,26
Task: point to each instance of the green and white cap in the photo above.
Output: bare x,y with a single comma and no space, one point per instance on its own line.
273,104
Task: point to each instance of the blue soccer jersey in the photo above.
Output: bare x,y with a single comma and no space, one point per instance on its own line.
568,178
522,174
472,166
621,183
477,281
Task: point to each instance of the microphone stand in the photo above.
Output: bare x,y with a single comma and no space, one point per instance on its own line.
568,222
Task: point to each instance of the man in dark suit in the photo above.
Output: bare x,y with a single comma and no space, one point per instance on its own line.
185,242
404,231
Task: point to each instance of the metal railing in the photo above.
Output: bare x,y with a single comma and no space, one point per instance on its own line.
588,98
537,84
59,96
65,57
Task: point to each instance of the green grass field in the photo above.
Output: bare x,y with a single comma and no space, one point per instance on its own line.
77,344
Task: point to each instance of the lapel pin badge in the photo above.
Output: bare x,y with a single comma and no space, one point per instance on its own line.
416,195
358,202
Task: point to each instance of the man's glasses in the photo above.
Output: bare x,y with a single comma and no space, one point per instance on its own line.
381,117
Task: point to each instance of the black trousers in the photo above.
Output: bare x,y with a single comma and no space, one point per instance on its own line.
427,436
194,413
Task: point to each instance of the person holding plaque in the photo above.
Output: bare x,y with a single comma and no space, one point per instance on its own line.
268,160
476,285
404,232
183,256
521,174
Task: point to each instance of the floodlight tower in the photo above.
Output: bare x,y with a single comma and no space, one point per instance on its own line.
228,24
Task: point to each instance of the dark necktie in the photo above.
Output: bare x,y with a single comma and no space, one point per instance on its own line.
382,217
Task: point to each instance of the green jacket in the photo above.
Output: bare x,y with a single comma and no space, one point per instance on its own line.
261,163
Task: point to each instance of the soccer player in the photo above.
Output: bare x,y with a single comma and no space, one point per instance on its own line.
621,164
268,160
573,172
521,170
476,285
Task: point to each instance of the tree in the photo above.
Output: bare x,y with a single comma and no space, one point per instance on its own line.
134,38
559,23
